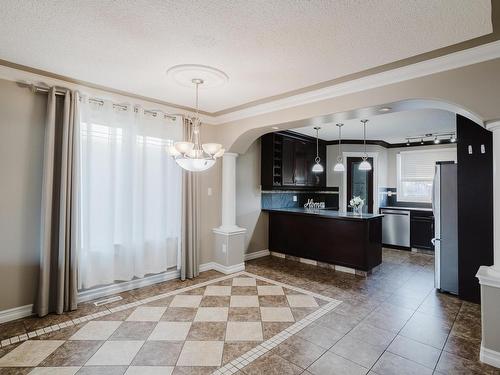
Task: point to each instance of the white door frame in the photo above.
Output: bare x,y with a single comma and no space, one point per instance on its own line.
373,155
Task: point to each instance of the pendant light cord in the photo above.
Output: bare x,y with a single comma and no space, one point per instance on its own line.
364,138
317,160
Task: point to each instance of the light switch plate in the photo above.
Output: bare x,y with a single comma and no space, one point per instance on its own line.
295,198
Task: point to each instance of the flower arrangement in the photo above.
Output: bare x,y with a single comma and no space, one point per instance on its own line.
357,204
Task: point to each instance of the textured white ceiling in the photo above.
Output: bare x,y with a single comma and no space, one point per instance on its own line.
267,47
390,127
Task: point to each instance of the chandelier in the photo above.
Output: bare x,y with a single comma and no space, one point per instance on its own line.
192,155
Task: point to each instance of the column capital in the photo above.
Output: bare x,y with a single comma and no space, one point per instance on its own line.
230,154
493,125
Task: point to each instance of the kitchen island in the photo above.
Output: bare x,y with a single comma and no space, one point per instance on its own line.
338,238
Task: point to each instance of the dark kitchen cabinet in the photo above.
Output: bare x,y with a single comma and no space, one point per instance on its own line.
287,159
421,230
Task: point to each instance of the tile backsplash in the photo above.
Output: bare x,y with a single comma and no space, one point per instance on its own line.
388,198
285,198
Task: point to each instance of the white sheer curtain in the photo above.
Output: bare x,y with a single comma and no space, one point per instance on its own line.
130,195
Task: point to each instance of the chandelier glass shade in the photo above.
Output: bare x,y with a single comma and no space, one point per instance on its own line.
192,155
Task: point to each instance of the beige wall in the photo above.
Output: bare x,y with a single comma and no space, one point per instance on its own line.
473,88
210,202
22,117
248,203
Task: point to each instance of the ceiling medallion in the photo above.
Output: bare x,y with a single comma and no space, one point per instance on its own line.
183,75
192,155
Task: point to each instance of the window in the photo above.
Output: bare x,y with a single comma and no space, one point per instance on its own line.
415,173
130,205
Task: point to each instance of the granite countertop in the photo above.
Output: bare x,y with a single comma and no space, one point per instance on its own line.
407,208
322,212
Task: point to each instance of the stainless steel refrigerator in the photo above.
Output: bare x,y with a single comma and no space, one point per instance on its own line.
444,206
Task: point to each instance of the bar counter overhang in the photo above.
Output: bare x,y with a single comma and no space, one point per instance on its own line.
338,238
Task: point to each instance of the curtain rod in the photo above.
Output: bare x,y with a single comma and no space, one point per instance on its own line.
61,91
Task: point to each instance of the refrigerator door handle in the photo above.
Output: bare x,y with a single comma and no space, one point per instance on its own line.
434,241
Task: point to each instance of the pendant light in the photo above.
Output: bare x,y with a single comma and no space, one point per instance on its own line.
317,168
192,155
339,167
365,164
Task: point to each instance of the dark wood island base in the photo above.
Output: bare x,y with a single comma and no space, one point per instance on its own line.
339,238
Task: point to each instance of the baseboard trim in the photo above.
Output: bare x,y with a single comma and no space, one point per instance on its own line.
219,267
490,357
16,313
104,291
257,254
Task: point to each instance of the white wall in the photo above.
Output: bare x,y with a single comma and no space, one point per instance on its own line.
386,173
392,181
248,200
337,178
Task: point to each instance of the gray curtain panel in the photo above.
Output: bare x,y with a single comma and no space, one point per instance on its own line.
190,241
57,289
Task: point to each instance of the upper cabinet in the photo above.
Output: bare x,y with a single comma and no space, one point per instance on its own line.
287,159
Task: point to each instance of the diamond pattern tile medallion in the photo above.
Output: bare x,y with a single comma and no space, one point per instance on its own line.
218,326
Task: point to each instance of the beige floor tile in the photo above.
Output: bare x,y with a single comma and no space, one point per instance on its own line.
218,290
424,354
301,300
391,364
270,290
170,331
244,281
276,314
360,352
186,301
30,353
330,363
102,370
211,314
244,331
201,353
96,330
115,353
55,370
147,314
149,370
244,301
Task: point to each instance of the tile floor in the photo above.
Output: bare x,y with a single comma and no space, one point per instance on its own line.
392,322
218,326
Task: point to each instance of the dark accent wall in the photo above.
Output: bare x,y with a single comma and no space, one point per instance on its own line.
475,205
278,199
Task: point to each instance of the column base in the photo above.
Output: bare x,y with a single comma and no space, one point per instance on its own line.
229,246
490,315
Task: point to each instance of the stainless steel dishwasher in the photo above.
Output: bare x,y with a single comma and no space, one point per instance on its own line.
395,227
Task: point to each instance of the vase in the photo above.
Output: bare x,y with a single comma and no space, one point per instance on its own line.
358,210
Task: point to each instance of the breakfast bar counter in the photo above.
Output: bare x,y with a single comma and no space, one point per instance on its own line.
338,238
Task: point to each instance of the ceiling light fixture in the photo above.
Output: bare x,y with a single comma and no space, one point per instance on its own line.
384,109
192,155
365,164
421,141
339,167
437,140
453,138
407,141
317,168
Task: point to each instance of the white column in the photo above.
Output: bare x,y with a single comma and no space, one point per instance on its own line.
229,239
494,127
229,193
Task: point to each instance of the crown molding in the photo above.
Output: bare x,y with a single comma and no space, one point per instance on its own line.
16,72
454,60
